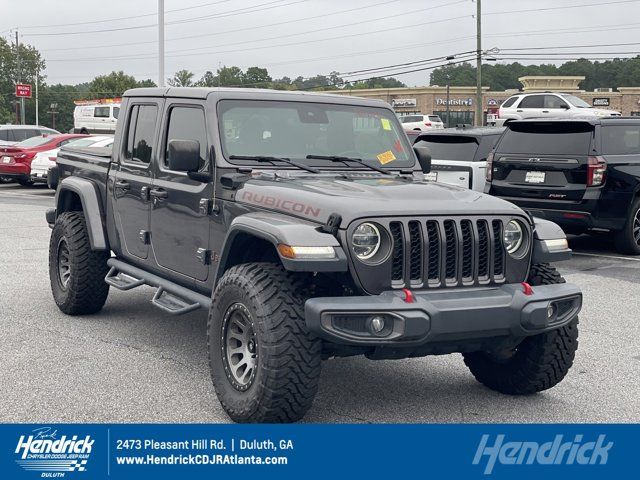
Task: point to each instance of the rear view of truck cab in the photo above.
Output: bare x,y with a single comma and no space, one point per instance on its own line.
583,174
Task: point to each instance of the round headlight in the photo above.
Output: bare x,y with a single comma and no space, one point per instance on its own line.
512,237
365,240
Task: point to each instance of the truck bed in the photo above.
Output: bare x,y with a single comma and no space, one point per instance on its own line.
92,163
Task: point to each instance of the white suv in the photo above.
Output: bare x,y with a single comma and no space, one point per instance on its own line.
547,104
421,122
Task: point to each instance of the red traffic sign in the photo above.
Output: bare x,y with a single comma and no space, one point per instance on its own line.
23,90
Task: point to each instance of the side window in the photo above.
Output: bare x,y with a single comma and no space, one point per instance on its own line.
141,133
509,102
532,101
101,112
621,140
116,112
188,123
4,135
551,101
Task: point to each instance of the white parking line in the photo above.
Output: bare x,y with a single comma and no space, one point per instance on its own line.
45,195
635,259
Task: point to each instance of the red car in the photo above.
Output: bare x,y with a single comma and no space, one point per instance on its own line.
15,161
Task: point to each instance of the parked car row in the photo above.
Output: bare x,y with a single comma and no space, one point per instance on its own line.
581,173
29,161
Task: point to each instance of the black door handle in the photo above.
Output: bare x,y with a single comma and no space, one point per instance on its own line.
122,185
159,193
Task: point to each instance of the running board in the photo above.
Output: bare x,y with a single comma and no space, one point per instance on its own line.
170,297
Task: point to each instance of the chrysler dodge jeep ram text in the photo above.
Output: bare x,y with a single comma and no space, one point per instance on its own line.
303,224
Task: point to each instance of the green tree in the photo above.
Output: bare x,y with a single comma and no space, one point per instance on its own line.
257,77
30,65
182,78
114,85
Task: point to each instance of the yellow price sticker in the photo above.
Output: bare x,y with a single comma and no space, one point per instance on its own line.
386,124
386,157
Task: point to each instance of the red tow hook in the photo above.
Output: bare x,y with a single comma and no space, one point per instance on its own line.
526,289
408,295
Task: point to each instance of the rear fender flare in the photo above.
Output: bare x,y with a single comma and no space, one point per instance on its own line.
91,207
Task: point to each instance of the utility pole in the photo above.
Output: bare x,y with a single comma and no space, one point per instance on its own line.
161,43
19,77
37,80
53,113
479,116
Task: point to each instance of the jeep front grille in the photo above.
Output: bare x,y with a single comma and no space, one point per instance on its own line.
446,252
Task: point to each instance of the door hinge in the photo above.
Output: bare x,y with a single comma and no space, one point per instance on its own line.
205,206
145,237
144,193
204,256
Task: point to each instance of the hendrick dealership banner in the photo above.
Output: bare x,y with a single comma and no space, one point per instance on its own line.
99,451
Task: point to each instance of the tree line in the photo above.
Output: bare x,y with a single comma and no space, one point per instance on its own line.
619,72
57,100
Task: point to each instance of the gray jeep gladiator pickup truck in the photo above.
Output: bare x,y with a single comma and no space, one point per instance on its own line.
303,224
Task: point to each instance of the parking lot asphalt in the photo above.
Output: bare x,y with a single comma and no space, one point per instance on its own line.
134,363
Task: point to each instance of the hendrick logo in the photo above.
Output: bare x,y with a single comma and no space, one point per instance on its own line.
556,452
46,451
535,160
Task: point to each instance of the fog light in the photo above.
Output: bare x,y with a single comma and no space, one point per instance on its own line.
551,311
376,325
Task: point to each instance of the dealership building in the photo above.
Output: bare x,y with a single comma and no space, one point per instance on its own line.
462,100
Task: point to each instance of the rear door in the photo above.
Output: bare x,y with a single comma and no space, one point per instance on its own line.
531,106
543,160
179,205
134,177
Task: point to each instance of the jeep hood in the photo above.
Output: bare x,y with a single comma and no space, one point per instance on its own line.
316,198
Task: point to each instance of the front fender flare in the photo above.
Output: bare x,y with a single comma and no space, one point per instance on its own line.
281,229
545,232
91,206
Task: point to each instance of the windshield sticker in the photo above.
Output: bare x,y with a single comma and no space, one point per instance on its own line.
398,146
386,157
386,124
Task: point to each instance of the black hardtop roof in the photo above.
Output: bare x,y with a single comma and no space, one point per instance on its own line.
221,93
466,132
589,120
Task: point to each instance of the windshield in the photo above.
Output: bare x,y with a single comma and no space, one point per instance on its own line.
445,147
576,102
34,142
296,130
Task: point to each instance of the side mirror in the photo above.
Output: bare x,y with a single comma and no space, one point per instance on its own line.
424,158
564,106
183,155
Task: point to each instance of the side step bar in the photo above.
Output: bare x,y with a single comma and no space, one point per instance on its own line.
170,297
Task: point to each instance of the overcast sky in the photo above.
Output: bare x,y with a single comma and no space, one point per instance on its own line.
345,36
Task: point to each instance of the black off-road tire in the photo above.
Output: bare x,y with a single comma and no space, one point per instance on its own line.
539,362
288,357
627,240
85,290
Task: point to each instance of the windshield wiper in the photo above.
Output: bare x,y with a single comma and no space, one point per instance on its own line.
264,158
338,158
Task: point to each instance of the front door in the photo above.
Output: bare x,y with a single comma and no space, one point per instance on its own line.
179,205
133,178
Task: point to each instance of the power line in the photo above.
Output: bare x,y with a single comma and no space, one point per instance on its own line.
107,20
573,46
257,47
565,7
228,31
241,11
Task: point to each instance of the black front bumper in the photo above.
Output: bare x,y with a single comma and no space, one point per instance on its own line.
456,315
